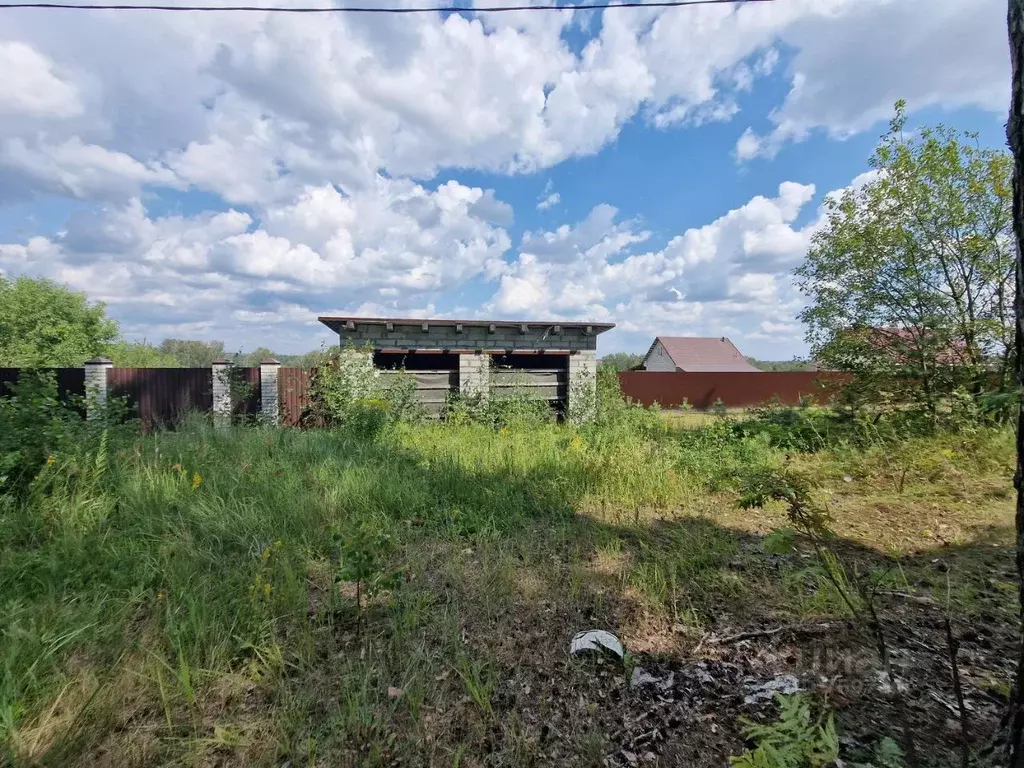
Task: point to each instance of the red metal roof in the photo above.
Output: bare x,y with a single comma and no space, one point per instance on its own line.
697,354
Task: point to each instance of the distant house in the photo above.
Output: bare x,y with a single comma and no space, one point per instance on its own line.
694,354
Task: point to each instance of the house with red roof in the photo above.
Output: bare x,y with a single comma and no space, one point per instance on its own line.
696,354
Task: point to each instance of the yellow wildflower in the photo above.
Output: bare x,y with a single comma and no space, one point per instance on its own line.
159,596
50,459
196,480
266,590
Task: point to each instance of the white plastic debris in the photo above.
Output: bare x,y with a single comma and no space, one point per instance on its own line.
760,692
642,677
596,640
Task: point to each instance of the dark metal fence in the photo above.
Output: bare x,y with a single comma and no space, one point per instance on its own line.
734,390
162,396
70,383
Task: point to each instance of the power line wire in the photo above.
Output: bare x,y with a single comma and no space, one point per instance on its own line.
374,9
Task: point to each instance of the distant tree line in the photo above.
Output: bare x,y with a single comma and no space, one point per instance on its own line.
46,324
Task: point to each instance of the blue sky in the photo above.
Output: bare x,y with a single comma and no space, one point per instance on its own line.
233,176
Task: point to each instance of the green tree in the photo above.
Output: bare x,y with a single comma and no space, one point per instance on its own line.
911,280
252,359
139,354
43,323
192,353
621,361
782,365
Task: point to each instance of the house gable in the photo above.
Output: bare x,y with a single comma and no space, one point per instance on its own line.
658,359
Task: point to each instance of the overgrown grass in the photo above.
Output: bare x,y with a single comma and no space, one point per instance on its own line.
178,598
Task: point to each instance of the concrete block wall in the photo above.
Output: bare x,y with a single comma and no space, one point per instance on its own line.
96,385
582,387
221,372
270,403
471,337
474,374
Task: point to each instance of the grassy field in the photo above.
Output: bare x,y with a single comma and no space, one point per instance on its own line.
190,597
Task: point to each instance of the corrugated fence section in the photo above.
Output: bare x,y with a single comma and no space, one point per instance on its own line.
70,381
162,396
293,391
735,390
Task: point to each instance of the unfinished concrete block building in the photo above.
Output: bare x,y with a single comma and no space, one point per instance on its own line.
552,360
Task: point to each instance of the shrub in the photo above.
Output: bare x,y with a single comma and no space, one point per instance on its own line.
347,390
37,427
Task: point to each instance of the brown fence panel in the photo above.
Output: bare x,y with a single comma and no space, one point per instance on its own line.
735,390
70,382
246,398
162,396
293,390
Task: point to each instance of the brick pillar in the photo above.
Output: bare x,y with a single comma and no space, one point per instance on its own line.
96,385
270,405
474,374
222,393
582,389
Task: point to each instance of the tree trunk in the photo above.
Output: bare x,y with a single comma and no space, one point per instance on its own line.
1015,136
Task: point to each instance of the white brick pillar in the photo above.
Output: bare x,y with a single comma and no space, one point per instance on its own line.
96,386
582,389
270,405
222,393
474,374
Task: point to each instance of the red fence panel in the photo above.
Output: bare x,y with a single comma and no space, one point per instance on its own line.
293,390
162,396
735,390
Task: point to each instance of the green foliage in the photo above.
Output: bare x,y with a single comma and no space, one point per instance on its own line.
783,365
800,429
612,409
911,281
138,561
713,456
193,353
139,354
38,429
43,323
620,361
796,740
762,485
362,555
347,390
517,409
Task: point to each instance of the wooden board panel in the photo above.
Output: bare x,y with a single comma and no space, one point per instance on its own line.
540,392
428,379
508,377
